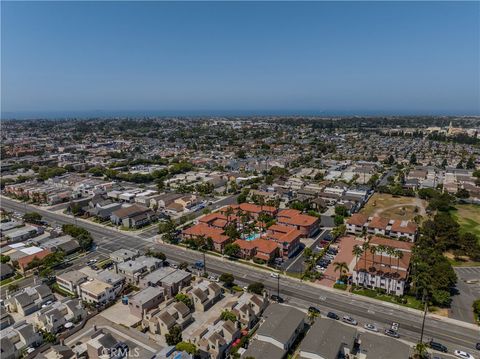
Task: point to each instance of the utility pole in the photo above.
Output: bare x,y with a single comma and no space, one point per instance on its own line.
204,264
278,287
425,308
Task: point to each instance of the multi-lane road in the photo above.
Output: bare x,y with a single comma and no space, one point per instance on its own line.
454,334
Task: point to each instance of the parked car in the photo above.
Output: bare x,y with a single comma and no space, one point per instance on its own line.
371,327
463,355
314,309
332,315
213,278
276,298
391,333
349,320
274,275
437,346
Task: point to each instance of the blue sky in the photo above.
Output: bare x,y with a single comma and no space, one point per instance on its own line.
245,58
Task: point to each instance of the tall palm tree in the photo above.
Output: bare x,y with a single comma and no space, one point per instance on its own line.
228,213
373,251
357,251
365,248
381,250
341,267
398,255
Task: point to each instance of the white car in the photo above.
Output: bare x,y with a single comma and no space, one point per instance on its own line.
213,278
371,327
274,275
395,326
463,355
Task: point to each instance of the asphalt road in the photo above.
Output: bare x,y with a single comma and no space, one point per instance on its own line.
456,335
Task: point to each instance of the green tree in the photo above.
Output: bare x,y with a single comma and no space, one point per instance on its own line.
338,220
156,254
357,251
228,279
187,347
341,210
185,299
340,267
4,258
462,193
174,336
232,250
256,288
32,217
228,315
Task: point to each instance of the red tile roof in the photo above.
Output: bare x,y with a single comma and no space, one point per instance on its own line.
405,246
404,227
302,220
289,213
203,229
378,223
24,261
243,244
357,219
279,228
212,217
265,246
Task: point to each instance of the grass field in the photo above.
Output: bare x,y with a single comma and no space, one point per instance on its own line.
468,217
394,207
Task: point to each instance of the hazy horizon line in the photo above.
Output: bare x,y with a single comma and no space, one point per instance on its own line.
66,114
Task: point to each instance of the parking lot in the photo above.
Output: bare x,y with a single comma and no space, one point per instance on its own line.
345,247
468,286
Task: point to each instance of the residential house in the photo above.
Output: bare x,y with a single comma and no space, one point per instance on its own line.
133,269
133,216
172,280
146,300
17,338
70,281
29,299
214,340
123,255
161,320
249,307
205,294
53,317
280,327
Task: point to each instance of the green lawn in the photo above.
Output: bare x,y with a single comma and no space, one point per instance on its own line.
468,217
412,302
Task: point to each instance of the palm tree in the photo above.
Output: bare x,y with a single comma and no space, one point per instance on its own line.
399,255
341,267
357,251
381,249
373,251
365,248
391,252
228,213
420,350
